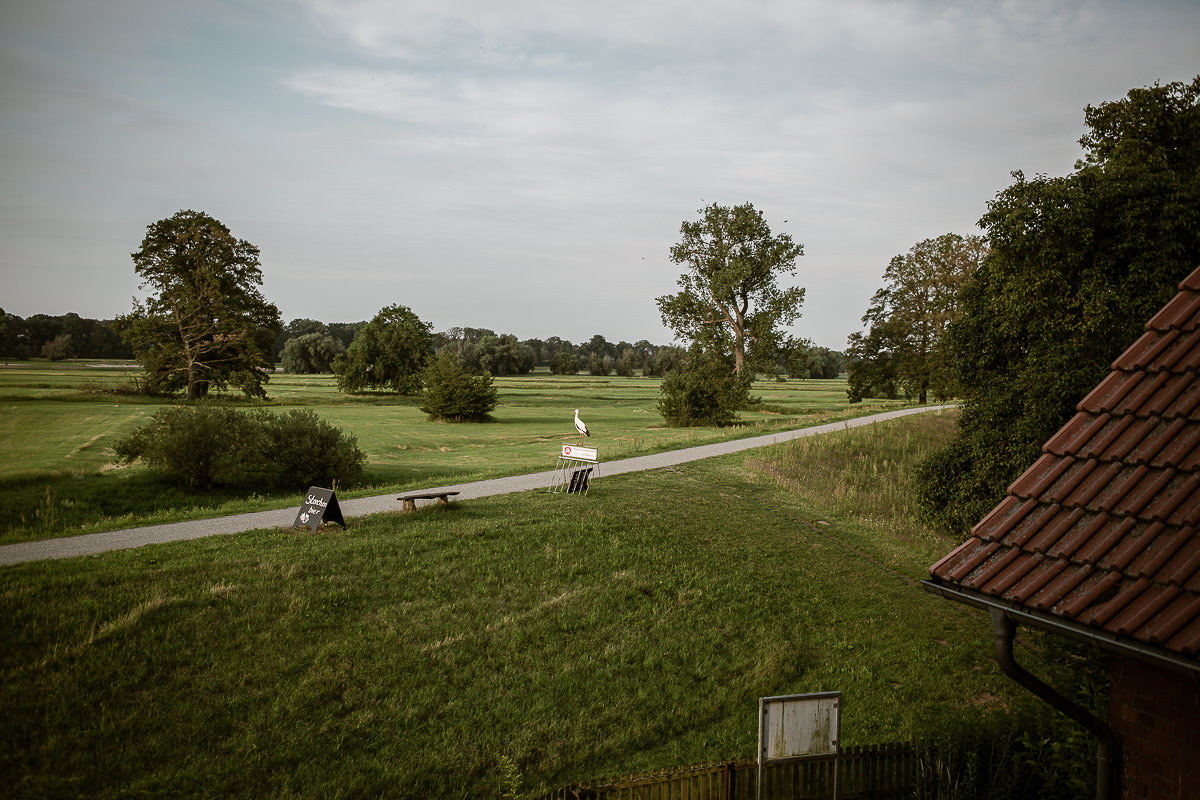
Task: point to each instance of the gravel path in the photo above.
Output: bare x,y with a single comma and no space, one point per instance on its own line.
89,544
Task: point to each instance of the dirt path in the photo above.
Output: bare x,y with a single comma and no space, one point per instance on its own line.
89,544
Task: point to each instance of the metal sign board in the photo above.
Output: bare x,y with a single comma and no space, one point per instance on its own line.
579,453
320,505
799,725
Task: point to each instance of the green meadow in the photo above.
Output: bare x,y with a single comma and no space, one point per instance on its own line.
559,637
58,476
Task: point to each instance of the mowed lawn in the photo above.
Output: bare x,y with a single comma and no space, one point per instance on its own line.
418,655
59,475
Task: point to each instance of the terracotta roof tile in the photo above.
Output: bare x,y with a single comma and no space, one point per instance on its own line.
1160,546
1143,393
1175,491
1189,463
1111,391
1121,481
1188,402
1182,354
1105,533
1082,492
1078,588
1173,619
1102,612
1135,615
1173,386
1193,585
1133,435
1162,446
1187,641
1184,563
1145,493
1044,473
984,571
1045,571
1183,313
1034,523
1049,539
999,563
971,560
1104,528
1003,518
1082,428
1146,350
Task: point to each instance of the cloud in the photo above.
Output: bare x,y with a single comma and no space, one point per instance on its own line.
498,147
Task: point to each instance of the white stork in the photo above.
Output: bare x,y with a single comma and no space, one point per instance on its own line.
579,426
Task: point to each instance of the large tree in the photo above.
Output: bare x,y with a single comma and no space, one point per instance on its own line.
909,318
389,352
205,323
310,354
731,303
1078,264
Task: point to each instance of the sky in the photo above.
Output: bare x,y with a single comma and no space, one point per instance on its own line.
525,166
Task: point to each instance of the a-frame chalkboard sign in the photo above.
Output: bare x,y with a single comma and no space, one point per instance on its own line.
320,505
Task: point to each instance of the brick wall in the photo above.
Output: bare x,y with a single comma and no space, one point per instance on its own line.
1155,715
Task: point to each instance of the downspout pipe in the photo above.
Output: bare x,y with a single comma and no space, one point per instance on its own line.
1004,628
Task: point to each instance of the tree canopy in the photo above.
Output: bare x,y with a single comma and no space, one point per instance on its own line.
388,353
909,318
310,353
453,394
1078,265
730,301
206,323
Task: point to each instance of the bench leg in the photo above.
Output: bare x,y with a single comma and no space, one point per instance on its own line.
443,500
410,505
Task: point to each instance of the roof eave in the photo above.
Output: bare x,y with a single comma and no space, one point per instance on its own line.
1062,627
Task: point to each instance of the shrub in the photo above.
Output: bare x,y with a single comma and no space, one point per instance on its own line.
703,392
204,446
599,365
59,348
198,446
304,451
451,393
624,365
564,363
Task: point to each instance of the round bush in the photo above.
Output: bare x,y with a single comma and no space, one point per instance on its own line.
451,393
703,392
204,446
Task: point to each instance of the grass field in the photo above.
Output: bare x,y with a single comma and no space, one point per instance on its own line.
61,421
418,655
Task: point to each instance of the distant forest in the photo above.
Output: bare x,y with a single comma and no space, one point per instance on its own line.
72,336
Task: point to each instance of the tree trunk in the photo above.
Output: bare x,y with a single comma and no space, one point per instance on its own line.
739,353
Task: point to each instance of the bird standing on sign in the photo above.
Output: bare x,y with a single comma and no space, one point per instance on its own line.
579,426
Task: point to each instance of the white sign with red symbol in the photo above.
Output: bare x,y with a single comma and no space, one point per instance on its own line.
579,453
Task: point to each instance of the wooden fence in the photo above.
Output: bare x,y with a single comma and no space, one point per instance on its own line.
877,772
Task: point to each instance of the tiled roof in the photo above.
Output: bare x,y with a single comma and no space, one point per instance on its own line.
1102,529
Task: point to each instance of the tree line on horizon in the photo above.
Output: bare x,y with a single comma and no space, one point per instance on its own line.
314,345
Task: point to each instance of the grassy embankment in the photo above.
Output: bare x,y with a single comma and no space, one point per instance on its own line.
61,421
415,655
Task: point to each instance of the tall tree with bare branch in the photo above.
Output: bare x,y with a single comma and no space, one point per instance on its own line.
205,323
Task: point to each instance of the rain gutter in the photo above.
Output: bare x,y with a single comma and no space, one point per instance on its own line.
1005,619
1188,667
1004,628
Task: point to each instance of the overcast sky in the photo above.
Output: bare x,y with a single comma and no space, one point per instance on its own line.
525,166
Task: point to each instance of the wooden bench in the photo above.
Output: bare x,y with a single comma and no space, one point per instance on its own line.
410,500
